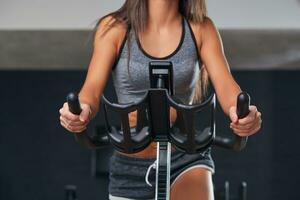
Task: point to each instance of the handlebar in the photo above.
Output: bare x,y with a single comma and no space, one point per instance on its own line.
237,143
82,138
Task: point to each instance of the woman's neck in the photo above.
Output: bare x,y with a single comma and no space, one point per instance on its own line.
162,13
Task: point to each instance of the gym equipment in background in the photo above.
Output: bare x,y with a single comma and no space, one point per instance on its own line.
70,192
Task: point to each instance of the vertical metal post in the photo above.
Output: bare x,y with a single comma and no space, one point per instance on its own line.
243,191
70,192
163,170
227,190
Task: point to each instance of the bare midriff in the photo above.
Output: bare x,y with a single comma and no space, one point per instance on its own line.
149,151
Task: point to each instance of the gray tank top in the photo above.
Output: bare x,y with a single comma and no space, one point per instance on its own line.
185,62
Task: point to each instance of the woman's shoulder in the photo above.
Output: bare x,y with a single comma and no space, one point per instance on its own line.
109,28
205,25
203,29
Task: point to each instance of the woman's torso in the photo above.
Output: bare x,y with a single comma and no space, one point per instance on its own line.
131,88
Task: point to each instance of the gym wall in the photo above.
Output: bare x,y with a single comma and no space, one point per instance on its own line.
77,14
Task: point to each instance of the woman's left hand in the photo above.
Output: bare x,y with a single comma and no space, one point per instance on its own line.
248,125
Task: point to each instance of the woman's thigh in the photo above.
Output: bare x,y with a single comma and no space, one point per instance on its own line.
194,184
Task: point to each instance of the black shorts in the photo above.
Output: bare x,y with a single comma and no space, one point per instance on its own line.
127,174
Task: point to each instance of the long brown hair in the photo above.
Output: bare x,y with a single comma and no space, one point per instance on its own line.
134,14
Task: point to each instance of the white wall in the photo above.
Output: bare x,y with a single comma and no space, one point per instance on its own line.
255,13
53,14
80,14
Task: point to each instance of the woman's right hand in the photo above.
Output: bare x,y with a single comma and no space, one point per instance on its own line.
75,123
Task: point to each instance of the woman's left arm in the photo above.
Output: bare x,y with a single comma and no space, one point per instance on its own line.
227,90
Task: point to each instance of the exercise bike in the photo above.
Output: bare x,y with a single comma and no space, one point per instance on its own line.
153,124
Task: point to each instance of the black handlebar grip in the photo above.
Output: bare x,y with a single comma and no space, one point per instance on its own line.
75,108
236,143
74,104
83,138
243,103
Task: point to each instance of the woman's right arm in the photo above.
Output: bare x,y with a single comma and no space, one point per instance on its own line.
106,47
104,54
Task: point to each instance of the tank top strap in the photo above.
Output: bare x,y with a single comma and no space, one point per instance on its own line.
194,40
122,46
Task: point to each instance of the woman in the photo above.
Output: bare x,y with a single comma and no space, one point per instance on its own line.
125,41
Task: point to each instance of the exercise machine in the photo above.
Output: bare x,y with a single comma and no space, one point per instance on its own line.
153,124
